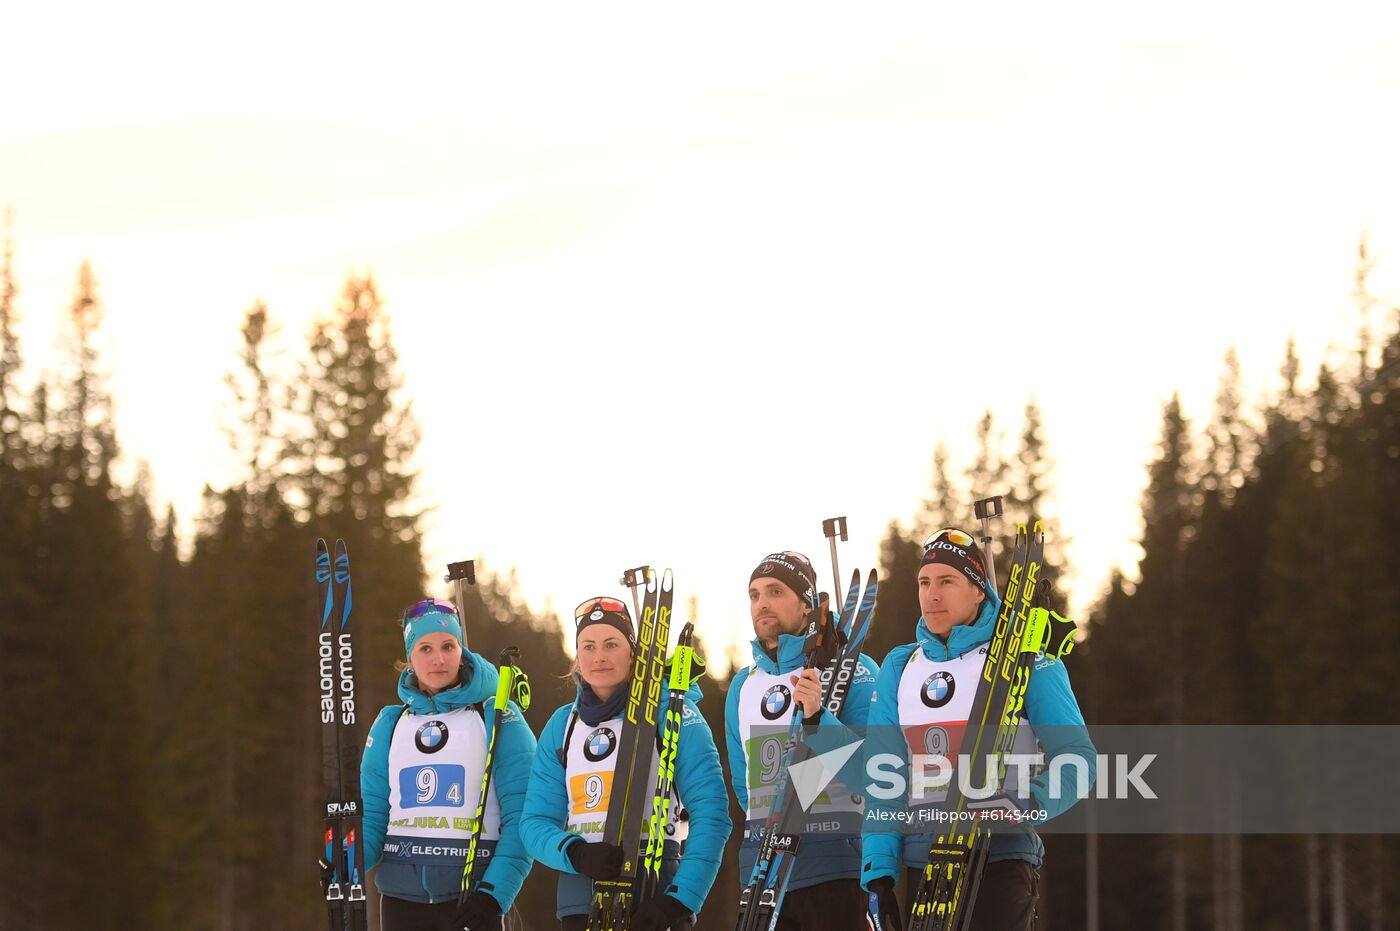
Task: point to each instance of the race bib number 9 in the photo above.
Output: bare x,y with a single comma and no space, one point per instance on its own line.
766,760
432,786
588,792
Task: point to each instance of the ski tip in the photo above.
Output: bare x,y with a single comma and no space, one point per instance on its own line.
651,580
667,581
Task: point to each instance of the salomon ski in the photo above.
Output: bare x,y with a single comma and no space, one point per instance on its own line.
343,862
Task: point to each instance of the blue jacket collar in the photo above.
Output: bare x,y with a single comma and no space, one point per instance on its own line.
479,686
789,654
693,694
964,637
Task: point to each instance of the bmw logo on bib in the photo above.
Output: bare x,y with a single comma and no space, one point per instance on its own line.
776,701
599,744
431,737
938,690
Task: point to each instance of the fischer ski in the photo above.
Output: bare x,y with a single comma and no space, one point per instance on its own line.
613,900
343,863
761,901
947,889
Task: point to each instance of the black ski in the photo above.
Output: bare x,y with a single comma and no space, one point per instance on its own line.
613,900
344,857
332,862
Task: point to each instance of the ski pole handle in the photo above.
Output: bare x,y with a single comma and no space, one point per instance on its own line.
635,579
986,509
462,571
508,670
830,528
461,574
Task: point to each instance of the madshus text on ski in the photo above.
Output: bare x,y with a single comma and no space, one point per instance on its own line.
453,799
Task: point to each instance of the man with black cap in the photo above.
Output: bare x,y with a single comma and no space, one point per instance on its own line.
823,889
923,698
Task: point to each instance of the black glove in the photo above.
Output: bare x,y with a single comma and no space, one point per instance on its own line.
884,907
659,913
476,912
596,861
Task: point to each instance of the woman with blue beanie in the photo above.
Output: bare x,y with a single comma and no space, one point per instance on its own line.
573,768
420,777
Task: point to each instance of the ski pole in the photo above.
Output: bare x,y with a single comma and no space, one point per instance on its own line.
682,662
635,579
986,509
461,574
830,528
512,681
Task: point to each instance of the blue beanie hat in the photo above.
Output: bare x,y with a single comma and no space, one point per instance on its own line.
430,616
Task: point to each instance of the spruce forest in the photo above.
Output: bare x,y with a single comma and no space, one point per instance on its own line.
160,755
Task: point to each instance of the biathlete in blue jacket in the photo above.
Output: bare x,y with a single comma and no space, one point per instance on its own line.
421,777
573,773
823,889
925,690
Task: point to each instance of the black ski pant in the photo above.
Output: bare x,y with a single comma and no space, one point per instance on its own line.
403,915
835,905
1005,900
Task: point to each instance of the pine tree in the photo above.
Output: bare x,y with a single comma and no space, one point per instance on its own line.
10,437
88,572
990,475
1033,495
943,507
353,476
1169,521
20,596
897,609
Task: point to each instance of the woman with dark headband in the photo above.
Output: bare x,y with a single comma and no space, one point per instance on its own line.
573,771
420,777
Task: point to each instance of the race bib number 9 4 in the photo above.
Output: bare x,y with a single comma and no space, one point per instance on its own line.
432,786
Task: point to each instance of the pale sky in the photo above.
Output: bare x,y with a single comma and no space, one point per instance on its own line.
655,273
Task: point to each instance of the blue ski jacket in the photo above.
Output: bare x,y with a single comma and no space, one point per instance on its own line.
822,859
1053,714
686,875
514,747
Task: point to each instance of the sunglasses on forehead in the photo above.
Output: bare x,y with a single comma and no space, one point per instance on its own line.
956,537
606,604
429,606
